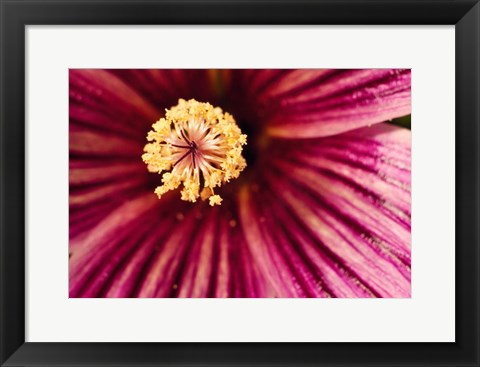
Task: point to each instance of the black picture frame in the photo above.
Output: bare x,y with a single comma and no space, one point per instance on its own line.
15,15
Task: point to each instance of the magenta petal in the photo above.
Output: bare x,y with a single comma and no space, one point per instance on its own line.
254,81
107,91
95,172
340,102
223,266
163,87
126,281
291,83
328,277
376,160
97,247
88,143
361,222
197,273
263,249
288,271
161,273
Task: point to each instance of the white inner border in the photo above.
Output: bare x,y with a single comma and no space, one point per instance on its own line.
427,316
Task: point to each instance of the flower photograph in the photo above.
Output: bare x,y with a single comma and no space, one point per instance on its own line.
239,183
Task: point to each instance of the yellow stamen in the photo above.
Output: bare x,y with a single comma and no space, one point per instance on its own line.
199,145
215,200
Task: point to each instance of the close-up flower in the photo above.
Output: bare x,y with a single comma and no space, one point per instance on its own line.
248,183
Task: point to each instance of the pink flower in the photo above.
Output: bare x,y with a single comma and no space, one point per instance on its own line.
321,210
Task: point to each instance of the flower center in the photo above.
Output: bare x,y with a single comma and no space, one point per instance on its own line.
196,145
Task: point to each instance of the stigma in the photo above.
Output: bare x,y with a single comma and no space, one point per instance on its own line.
196,146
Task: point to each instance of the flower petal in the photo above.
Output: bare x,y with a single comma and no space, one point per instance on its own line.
161,274
102,145
196,275
127,279
92,172
90,252
279,259
163,87
104,90
335,102
351,217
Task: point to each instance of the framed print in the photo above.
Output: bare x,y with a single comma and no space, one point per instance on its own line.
239,183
